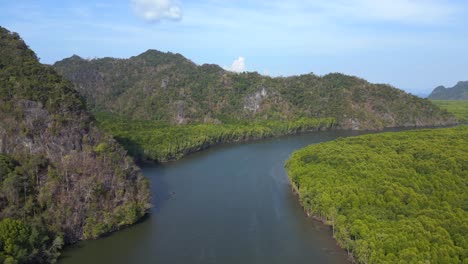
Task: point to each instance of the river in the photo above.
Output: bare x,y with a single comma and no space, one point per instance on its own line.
227,204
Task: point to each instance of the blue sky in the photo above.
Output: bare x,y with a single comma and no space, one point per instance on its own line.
414,45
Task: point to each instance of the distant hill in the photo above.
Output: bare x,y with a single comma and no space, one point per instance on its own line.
61,178
168,87
458,92
422,94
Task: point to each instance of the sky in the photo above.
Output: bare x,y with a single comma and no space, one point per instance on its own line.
414,45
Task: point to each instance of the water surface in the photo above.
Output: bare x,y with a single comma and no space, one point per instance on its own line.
228,204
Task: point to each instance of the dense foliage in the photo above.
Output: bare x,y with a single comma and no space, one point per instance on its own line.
23,243
457,92
160,141
392,197
61,179
168,87
457,107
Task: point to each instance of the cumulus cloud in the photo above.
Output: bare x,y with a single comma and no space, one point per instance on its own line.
238,65
156,10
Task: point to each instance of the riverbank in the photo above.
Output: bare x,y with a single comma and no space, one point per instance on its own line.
321,219
157,141
161,142
229,204
377,190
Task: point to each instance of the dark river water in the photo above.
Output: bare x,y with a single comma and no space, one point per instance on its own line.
228,204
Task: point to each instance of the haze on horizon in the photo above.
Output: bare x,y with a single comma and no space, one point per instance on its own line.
414,45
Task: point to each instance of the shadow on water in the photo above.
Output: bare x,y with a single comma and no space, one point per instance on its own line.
161,193
133,148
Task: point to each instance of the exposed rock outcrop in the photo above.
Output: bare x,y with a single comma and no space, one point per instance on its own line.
69,177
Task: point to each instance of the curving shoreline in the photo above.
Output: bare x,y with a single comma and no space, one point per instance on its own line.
296,193
154,141
387,188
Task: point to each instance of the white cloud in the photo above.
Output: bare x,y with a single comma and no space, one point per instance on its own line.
238,65
156,10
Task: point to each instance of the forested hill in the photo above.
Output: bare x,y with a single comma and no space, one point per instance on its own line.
390,197
61,178
458,92
171,88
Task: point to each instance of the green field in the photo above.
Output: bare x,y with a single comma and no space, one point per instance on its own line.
391,197
458,107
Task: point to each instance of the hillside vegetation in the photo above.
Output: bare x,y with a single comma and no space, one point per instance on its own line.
392,197
168,87
61,178
457,92
457,107
162,106
158,141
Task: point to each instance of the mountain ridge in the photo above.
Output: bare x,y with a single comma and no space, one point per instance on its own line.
169,87
457,92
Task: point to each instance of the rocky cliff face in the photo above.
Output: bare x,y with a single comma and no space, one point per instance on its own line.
253,102
67,176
